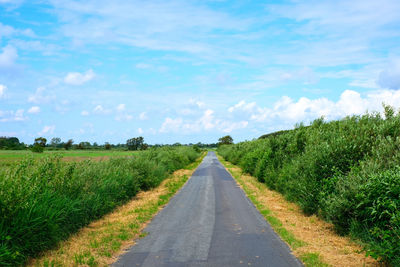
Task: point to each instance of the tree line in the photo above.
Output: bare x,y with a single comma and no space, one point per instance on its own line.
55,143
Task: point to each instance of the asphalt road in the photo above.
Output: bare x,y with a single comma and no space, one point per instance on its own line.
210,222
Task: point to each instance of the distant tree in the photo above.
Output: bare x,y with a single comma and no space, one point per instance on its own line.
95,145
40,141
225,140
10,143
39,144
107,146
55,142
68,144
83,145
136,143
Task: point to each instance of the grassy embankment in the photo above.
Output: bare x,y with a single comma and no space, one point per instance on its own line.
311,239
346,172
44,201
102,241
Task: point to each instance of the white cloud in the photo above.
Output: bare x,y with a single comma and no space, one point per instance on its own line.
171,125
40,96
206,122
140,131
231,126
85,113
76,78
10,115
390,78
243,106
167,25
287,111
99,109
6,30
3,89
143,116
121,107
8,57
34,110
48,129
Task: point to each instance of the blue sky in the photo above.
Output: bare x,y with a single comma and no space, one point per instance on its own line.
191,71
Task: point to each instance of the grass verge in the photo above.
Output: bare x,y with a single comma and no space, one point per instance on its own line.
101,242
312,240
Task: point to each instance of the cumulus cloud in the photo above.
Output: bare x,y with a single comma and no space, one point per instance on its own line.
140,131
10,115
3,89
8,57
76,78
243,106
171,125
48,129
289,111
390,77
208,121
34,110
121,107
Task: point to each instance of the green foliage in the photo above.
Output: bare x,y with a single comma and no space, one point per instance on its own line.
136,143
225,140
44,201
41,141
11,143
345,171
68,144
37,148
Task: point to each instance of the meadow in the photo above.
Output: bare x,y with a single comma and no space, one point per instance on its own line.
44,199
8,155
346,172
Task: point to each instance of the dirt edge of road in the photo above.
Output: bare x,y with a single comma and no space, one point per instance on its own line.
311,239
103,241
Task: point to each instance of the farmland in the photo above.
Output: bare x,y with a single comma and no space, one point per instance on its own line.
44,198
346,172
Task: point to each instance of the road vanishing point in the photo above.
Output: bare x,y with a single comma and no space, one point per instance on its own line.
209,222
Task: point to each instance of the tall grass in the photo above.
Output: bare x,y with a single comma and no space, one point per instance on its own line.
346,171
44,201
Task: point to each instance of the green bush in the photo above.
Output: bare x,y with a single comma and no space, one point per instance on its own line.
346,171
43,202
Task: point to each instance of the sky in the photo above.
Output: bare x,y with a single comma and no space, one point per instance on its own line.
191,71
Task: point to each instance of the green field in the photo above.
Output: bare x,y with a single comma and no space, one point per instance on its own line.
21,154
43,201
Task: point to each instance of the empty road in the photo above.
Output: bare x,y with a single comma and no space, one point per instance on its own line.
210,222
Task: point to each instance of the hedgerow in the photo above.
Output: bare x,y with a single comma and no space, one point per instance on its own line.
44,201
346,171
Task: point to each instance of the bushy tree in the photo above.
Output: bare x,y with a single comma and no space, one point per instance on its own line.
136,143
10,143
107,146
225,140
39,144
68,144
55,142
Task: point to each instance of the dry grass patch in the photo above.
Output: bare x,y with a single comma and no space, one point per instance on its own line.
101,242
310,238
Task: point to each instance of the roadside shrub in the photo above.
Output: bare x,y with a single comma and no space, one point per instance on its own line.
43,202
346,171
